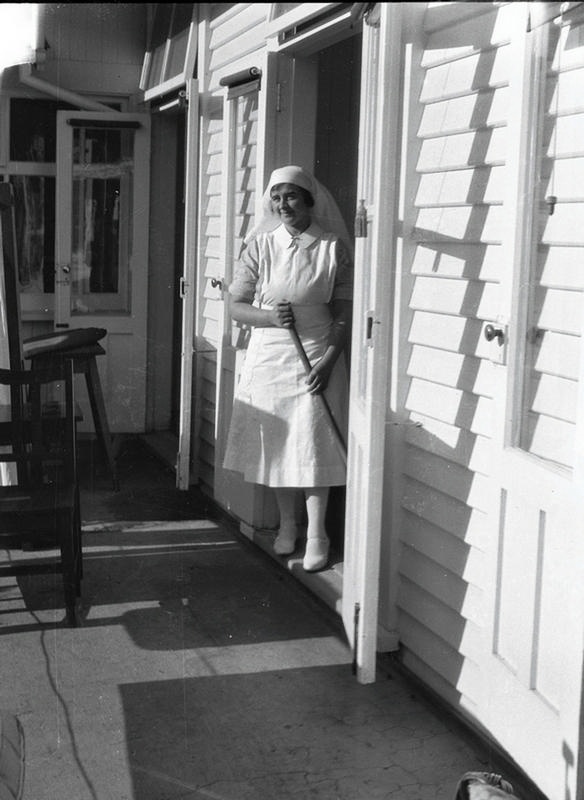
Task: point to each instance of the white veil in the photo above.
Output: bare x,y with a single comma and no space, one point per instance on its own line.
324,213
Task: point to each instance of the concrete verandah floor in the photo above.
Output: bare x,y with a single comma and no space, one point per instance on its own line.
202,670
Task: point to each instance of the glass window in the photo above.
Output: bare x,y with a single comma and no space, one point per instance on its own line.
550,343
170,57
279,9
103,175
34,210
179,36
159,38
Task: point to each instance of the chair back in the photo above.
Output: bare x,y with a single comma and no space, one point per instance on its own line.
9,272
37,425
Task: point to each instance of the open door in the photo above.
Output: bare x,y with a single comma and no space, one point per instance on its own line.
533,670
101,271
188,289
248,502
370,357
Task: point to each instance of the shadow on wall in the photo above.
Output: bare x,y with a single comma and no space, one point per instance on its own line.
451,265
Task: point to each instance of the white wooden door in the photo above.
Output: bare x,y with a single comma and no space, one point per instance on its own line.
246,501
188,289
102,224
370,356
533,673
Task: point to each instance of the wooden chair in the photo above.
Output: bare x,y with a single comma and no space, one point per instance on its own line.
40,507
81,345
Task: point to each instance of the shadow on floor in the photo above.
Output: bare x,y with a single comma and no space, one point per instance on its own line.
201,671
147,487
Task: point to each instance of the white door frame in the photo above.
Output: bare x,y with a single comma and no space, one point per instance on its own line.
188,292
375,268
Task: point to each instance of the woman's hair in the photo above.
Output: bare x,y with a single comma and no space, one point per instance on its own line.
304,193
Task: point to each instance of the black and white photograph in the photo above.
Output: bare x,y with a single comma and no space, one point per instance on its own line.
292,401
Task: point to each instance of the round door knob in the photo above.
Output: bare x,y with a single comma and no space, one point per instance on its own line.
494,333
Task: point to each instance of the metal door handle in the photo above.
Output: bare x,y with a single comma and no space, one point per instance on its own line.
216,283
494,333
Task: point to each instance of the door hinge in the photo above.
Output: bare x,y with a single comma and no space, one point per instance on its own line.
278,97
356,615
361,221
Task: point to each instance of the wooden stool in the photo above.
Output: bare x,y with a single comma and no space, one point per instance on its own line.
84,363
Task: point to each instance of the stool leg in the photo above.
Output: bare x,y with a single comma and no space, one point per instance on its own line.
100,418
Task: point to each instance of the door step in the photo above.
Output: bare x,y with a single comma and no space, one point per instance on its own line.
326,584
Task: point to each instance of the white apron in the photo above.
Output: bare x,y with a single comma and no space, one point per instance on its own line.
279,434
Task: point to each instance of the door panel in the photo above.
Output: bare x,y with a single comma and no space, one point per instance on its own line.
246,501
188,290
370,347
534,670
101,272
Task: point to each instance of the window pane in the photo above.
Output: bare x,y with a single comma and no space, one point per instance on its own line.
157,46
180,32
103,169
279,9
554,282
34,210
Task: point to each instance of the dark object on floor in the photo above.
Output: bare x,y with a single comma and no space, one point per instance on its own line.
11,757
484,786
40,505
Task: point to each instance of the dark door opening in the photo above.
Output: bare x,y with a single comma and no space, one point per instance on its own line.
336,165
178,271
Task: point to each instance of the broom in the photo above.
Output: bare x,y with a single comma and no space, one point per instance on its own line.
327,409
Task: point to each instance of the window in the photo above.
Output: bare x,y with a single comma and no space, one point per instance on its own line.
31,147
171,55
551,293
31,171
294,22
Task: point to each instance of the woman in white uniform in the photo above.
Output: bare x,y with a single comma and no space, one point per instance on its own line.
295,270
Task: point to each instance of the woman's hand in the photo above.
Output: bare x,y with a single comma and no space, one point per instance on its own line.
283,316
319,376
244,312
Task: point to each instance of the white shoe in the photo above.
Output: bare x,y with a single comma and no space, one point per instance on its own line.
316,555
285,541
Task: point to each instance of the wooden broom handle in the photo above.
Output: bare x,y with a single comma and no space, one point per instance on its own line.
308,367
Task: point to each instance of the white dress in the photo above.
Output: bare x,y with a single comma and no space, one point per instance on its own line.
279,433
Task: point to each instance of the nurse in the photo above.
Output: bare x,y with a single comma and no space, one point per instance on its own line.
296,269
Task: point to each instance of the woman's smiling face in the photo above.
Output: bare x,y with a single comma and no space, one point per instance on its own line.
288,201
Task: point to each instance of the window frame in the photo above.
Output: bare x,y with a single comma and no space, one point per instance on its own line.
165,84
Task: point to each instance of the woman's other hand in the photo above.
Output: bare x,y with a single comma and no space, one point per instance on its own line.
319,376
244,312
283,315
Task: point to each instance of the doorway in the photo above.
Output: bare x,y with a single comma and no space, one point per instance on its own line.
178,271
335,165
337,122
